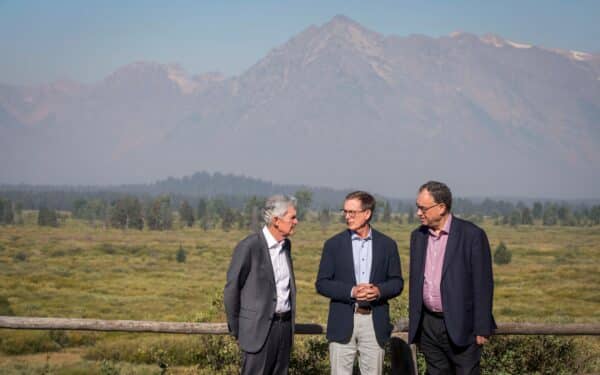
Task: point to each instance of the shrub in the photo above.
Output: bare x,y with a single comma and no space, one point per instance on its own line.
543,355
31,342
20,256
109,368
5,308
59,337
107,248
502,255
27,343
181,256
570,255
207,351
310,356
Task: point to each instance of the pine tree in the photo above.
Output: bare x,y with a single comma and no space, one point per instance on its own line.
324,218
387,212
526,218
186,213
303,201
537,210
411,215
228,219
158,214
47,217
6,212
126,213
201,209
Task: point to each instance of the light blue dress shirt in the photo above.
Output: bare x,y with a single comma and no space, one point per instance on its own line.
362,252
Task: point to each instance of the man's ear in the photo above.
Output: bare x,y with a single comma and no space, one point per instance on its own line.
445,208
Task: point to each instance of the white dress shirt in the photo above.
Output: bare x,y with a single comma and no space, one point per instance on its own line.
281,271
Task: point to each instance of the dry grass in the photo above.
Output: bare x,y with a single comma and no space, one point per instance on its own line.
83,272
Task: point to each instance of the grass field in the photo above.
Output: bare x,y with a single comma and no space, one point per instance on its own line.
83,272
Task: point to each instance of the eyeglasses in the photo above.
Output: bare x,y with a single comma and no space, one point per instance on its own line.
425,209
350,213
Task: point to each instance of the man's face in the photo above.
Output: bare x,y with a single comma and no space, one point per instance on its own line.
429,212
286,224
355,216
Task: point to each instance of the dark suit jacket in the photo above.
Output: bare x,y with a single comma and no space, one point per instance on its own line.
336,279
467,284
250,294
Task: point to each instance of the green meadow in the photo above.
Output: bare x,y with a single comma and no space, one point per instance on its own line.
81,271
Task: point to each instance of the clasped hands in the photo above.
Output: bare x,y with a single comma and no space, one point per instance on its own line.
365,292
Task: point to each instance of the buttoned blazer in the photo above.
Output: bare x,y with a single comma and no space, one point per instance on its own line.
336,278
250,294
467,283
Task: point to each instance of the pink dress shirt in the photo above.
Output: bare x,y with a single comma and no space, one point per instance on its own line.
434,261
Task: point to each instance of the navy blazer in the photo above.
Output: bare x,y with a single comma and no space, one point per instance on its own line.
336,279
467,285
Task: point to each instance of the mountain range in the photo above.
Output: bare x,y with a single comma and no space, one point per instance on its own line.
337,105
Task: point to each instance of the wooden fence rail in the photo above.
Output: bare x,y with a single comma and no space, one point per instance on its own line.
16,322
403,358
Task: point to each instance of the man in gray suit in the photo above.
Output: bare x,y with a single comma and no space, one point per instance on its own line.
260,293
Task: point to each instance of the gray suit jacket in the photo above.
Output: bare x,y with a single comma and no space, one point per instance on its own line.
250,295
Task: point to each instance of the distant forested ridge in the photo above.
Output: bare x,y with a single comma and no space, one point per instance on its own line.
235,192
233,189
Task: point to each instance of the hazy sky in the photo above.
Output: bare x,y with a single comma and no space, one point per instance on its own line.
43,41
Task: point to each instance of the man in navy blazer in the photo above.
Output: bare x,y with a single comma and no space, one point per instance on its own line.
451,286
359,272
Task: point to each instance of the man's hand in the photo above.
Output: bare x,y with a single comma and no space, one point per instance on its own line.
359,292
373,293
365,292
481,340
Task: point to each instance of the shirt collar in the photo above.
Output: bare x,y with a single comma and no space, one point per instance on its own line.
271,241
445,229
355,236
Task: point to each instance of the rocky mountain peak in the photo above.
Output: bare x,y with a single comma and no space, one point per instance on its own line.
466,102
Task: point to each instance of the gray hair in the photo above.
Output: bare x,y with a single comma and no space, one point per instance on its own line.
277,206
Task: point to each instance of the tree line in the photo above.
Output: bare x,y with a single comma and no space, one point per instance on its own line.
157,212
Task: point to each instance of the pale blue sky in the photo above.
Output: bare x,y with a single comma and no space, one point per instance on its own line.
43,41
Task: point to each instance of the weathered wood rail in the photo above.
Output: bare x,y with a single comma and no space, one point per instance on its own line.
17,322
400,357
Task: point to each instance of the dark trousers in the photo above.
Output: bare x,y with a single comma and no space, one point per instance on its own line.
441,355
274,357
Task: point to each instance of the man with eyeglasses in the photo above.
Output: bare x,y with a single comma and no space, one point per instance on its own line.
451,286
359,272
260,293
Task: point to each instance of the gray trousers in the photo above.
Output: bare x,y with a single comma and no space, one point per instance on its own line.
274,357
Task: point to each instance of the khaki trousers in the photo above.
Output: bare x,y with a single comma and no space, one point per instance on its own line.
364,343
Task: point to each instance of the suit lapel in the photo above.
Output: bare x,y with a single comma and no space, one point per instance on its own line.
288,256
348,255
452,244
376,254
421,253
267,265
